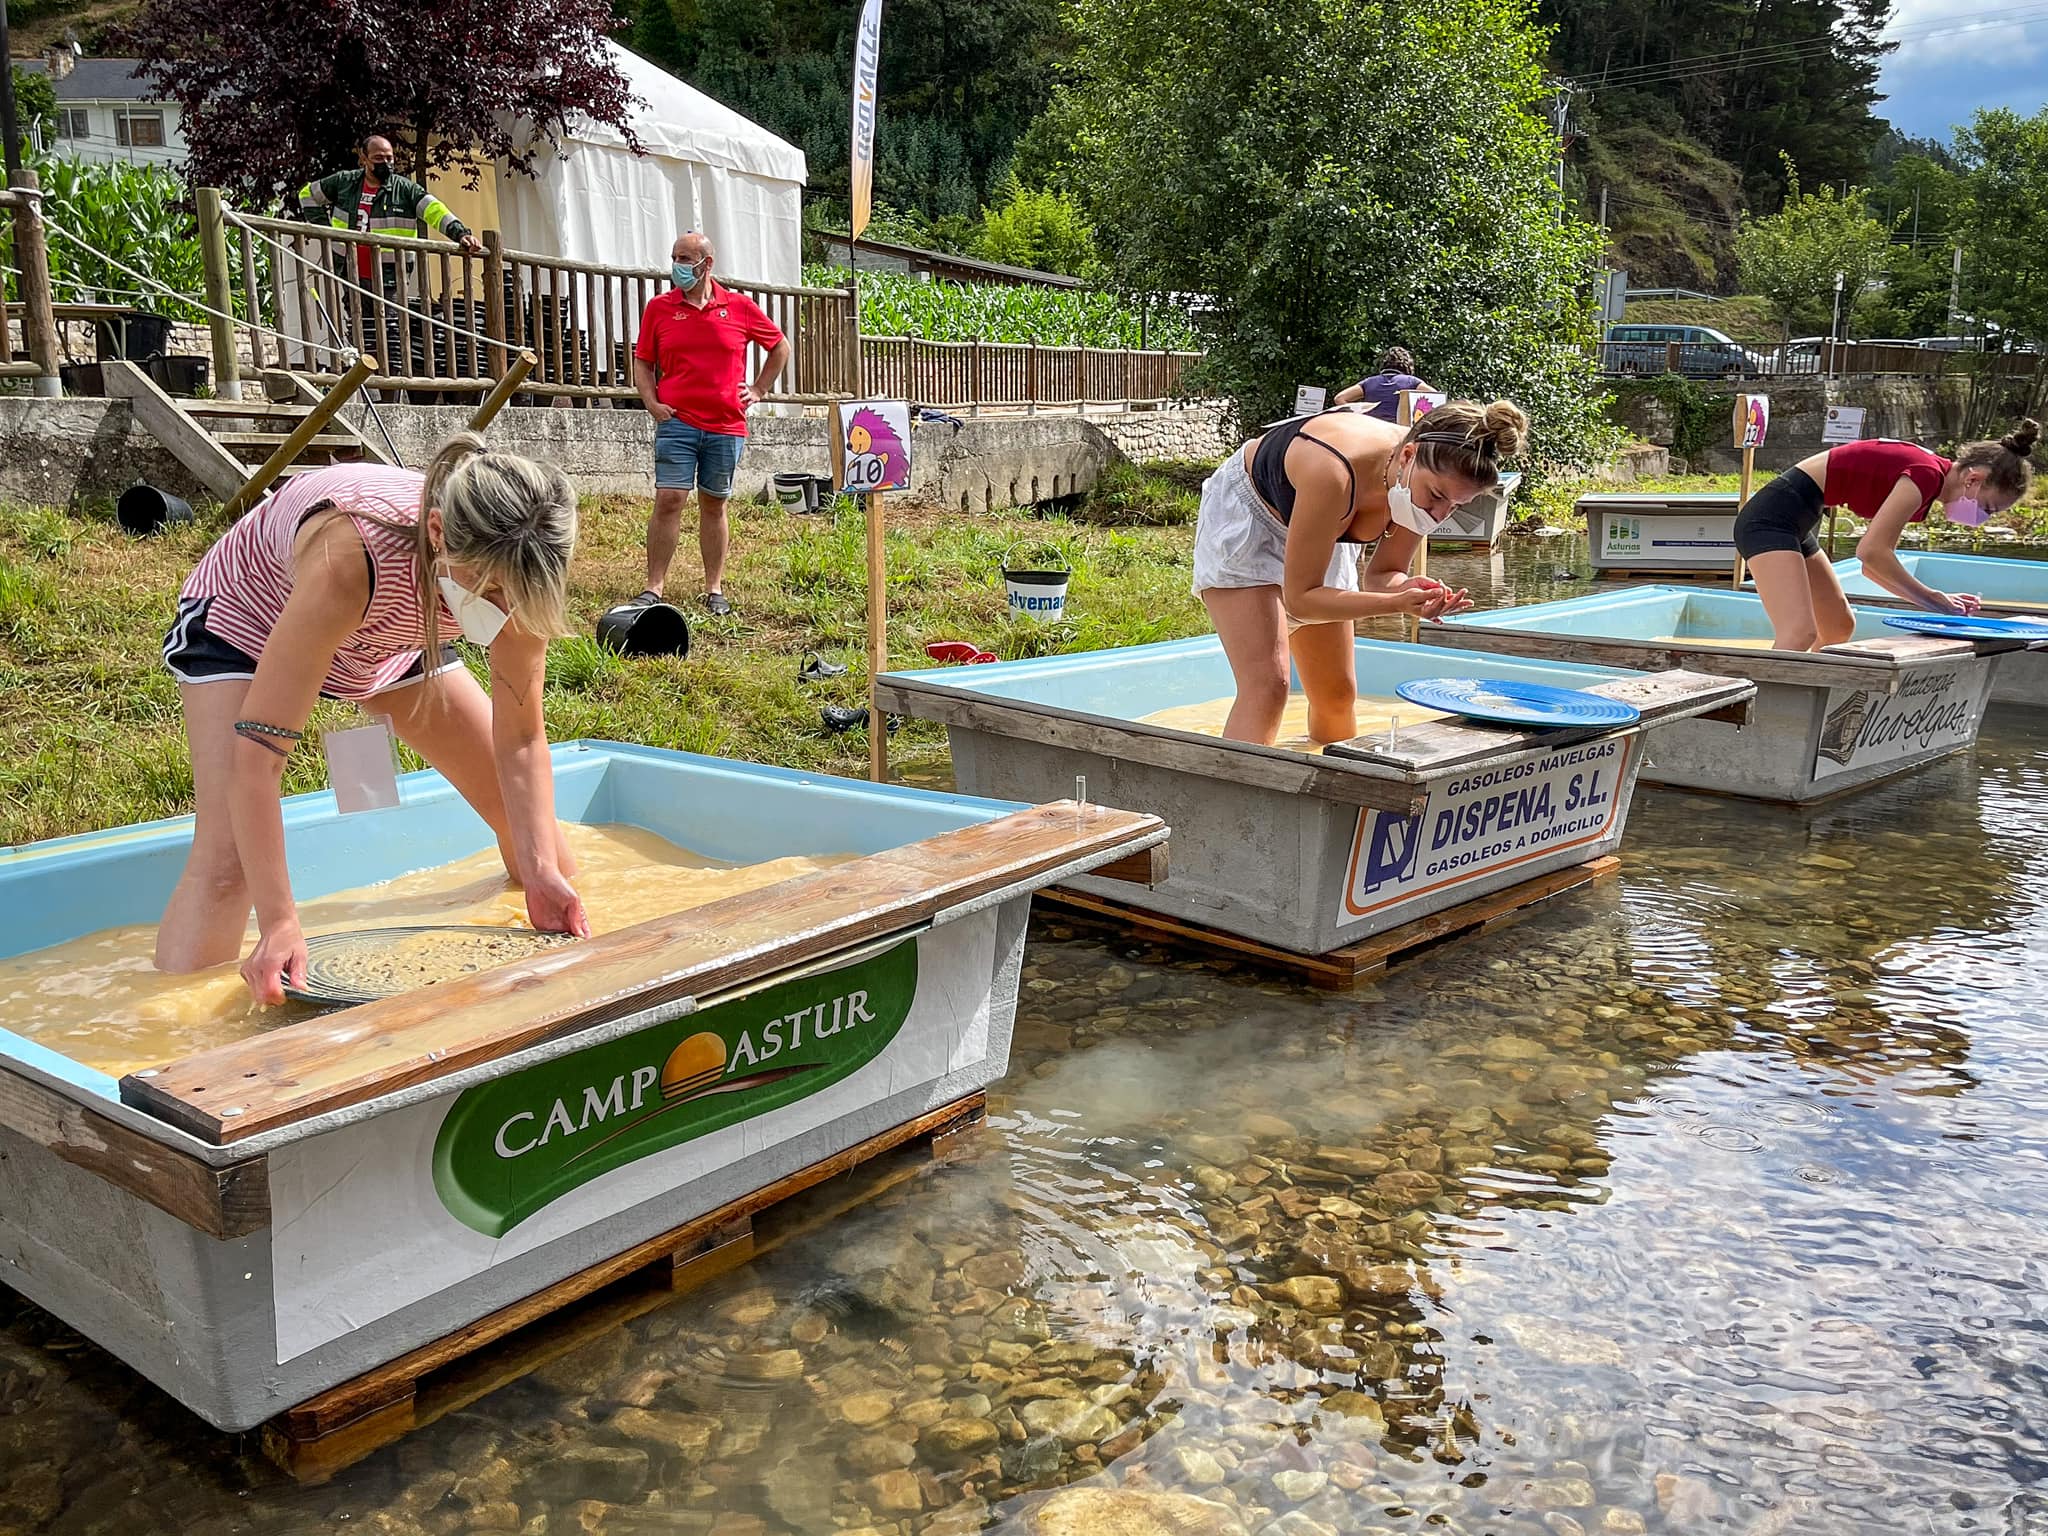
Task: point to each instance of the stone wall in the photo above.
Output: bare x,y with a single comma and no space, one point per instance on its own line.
65,451
1918,410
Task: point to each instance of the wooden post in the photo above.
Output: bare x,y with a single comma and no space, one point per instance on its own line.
308,428
1751,423
1031,380
32,257
1742,500
506,387
252,295
494,302
878,637
220,295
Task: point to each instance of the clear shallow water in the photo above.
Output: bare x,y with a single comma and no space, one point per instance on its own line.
1710,1198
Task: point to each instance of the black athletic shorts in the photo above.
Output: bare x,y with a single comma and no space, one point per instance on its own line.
1783,515
195,654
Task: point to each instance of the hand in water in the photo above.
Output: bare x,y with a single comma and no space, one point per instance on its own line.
553,906
279,957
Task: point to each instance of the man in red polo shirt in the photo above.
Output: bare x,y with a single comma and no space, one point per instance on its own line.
689,364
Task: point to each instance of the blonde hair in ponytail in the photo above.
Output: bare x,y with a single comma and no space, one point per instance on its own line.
510,519
1465,438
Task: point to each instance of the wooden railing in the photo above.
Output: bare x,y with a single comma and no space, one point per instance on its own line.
442,321
438,319
972,374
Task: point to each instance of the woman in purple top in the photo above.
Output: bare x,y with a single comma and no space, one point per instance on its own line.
1381,393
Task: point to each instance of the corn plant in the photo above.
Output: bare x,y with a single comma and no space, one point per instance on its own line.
898,304
138,215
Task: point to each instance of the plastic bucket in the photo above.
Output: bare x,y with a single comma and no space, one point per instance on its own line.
644,629
794,492
145,509
824,491
132,335
1037,596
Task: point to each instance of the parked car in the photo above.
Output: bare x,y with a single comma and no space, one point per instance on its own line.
1801,354
1703,351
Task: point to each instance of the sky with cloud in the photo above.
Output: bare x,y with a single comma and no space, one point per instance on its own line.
1954,57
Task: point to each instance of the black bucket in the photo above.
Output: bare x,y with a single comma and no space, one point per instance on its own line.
644,629
179,375
823,492
132,335
145,509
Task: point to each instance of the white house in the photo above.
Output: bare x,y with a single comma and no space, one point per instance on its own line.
104,112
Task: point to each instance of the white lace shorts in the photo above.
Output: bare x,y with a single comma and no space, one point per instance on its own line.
1239,543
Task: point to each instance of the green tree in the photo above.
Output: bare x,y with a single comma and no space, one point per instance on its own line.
1791,257
35,104
655,36
1031,228
2002,224
1336,177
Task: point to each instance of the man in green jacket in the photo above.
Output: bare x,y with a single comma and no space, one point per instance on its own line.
374,199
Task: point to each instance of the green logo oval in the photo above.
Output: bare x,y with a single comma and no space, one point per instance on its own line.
512,1146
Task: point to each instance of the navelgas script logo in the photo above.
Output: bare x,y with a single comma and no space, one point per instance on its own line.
510,1147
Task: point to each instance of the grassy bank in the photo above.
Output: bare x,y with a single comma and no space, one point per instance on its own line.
93,736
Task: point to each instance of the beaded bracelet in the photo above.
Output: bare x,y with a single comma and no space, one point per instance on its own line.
258,732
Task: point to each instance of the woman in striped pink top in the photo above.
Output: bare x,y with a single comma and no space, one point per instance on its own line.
342,585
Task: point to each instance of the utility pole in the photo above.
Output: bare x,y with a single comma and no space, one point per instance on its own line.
1603,216
1955,290
10,131
1916,221
1561,115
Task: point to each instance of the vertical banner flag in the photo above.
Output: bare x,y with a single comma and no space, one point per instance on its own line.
867,55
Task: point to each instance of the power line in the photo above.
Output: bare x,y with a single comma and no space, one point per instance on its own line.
1786,53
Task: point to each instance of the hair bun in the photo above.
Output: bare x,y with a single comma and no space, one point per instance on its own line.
2022,438
1504,425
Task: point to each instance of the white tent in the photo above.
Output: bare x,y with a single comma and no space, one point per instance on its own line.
705,168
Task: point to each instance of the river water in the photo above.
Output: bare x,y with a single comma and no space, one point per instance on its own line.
1708,1198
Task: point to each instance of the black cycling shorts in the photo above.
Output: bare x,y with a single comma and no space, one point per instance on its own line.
1784,515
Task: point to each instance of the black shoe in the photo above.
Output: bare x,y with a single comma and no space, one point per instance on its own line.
644,600
816,669
839,719
716,605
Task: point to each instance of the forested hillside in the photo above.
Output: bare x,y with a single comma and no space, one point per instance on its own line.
1680,110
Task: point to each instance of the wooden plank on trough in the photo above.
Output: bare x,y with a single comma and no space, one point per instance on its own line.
1800,668
225,1202
1437,745
1132,741
292,1074
1920,648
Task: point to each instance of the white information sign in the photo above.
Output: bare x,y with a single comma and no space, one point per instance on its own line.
1844,424
1679,541
375,1216
1309,398
1935,709
1495,816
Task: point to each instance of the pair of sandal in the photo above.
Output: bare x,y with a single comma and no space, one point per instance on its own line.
715,603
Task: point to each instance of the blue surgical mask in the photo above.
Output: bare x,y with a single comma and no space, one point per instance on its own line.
684,274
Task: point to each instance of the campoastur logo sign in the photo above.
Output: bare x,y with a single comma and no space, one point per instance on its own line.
510,1147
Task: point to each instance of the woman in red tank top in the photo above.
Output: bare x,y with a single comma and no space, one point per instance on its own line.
1888,484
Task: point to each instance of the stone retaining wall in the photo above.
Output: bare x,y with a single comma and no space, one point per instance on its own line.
64,451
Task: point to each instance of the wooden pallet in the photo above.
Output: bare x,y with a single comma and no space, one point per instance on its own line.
348,1422
1344,968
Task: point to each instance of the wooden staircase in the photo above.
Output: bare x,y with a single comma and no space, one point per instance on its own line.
222,443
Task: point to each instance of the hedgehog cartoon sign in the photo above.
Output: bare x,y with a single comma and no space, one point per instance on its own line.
871,445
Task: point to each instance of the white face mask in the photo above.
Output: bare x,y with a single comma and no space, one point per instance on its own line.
479,618
1401,507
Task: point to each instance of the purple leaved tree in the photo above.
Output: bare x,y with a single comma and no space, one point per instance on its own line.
275,92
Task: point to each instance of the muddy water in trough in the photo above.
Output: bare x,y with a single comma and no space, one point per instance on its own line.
1710,1198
